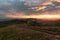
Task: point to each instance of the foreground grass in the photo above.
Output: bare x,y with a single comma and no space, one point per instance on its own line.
24,32
19,33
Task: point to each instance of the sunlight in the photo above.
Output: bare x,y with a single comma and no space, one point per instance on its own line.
41,16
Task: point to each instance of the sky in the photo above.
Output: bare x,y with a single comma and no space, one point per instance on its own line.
20,8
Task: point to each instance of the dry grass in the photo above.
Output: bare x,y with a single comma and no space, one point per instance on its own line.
19,33
25,32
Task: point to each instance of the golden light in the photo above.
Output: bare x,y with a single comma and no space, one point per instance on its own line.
41,16
57,0
38,8
47,3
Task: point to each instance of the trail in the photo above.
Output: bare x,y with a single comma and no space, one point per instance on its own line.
47,34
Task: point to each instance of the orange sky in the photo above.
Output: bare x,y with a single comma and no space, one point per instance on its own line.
45,7
57,0
40,16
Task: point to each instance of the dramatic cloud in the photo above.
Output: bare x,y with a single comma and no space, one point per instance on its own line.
51,7
28,7
57,0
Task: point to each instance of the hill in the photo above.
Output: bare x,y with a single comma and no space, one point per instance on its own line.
30,22
29,29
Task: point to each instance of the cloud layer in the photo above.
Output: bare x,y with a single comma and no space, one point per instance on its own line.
28,7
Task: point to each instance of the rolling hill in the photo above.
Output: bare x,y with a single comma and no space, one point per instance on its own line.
29,29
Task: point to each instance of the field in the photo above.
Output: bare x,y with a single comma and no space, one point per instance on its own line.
26,31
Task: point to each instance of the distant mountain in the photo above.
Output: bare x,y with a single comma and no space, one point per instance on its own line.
30,22
5,19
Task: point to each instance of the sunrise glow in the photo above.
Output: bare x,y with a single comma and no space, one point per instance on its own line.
41,16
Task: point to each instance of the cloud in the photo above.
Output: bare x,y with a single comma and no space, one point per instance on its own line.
28,7
57,0
51,7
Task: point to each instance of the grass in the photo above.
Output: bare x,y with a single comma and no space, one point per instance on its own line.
17,33
25,32
16,30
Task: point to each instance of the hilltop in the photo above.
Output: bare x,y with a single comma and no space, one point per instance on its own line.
30,22
29,29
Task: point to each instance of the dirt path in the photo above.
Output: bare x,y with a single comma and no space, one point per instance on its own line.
50,34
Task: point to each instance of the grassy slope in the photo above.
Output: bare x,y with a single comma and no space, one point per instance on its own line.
20,30
19,33
25,32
